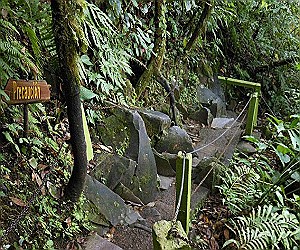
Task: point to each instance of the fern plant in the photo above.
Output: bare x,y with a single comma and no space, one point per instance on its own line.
26,38
13,56
106,64
241,184
266,228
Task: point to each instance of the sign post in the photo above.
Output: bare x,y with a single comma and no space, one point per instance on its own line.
26,92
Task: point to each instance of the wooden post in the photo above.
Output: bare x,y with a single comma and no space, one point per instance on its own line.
25,117
253,106
252,114
185,176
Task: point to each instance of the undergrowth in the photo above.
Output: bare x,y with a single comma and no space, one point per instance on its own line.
262,192
33,172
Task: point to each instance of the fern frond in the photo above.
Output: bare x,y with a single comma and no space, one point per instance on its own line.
266,229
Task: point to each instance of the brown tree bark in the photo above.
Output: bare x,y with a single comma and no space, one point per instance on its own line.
66,15
159,47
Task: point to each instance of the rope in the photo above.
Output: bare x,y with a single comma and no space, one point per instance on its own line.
181,188
262,97
215,163
220,136
202,147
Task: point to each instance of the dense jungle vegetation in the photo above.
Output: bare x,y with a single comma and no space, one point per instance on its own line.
122,52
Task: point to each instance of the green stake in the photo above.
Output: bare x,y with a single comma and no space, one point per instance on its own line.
183,174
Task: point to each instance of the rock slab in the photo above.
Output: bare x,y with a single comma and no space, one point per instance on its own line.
96,242
176,139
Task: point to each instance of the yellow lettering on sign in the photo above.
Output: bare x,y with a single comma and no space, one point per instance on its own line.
21,91
14,90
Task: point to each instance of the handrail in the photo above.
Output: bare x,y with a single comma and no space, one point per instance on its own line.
253,106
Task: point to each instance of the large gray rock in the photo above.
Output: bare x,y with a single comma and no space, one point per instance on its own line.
155,121
246,147
144,181
222,122
202,115
137,169
114,131
165,182
210,100
165,163
106,207
175,140
206,172
113,169
96,242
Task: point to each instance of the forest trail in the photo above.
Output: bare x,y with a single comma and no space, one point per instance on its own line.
139,235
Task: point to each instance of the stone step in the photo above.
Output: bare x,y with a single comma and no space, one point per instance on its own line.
96,242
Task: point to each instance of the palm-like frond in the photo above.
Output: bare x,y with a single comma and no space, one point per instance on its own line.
266,228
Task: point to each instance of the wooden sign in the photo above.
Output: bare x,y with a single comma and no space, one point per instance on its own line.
31,91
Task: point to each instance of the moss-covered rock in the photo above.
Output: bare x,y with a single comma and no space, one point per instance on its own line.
164,240
176,139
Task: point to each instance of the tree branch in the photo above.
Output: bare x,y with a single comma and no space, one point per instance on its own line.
164,82
274,64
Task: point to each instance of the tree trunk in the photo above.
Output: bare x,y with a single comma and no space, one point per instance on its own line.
66,15
159,47
200,25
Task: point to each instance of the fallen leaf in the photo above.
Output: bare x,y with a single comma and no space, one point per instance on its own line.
226,234
42,166
68,221
18,201
4,13
36,178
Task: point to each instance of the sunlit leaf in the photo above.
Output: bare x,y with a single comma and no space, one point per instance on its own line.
33,162
89,147
295,140
86,94
86,60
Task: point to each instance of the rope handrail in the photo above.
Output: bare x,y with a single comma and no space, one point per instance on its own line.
220,136
202,147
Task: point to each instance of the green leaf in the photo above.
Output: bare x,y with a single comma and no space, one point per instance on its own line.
228,242
280,197
33,162
86,60
284,158
280,127
86,94
8,137
296,176
295,139
134,2
2,93
251,138
89,148
283,148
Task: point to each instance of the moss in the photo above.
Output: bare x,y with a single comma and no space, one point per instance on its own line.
163,240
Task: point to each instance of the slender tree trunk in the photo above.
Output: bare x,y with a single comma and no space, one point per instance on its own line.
208,5
159,47
69,42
